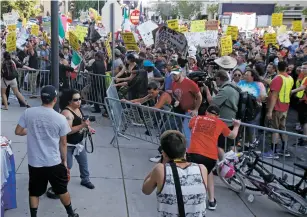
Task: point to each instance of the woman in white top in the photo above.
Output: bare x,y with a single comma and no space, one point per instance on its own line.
193,179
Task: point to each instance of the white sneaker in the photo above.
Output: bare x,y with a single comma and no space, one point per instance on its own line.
156,159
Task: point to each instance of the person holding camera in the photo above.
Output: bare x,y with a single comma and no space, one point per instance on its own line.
70,102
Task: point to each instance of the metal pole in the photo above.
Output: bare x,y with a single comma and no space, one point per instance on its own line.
55,47
112,24
98,7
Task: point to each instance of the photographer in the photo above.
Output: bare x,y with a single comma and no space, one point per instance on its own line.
70,102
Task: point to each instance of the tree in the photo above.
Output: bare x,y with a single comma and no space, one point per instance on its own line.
25,8
188,9
166,10
85,5
213,9
305,11
279,8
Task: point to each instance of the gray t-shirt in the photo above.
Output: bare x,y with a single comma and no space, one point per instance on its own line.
118,62
44,128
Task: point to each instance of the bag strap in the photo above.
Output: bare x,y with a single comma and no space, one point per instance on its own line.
178,189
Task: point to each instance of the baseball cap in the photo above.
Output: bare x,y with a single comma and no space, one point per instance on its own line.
48,94
148,63
213,109
175,71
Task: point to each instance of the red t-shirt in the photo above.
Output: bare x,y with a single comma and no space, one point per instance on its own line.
205,131
185,93
276,85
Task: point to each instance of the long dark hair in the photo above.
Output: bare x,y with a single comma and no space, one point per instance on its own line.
254,74
66,97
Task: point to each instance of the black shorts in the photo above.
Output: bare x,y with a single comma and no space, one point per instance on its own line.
209,163
302,113
224,142
40,176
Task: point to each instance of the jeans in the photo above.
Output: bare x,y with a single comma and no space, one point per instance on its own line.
44,79
186,129
82,161
252,134
32,82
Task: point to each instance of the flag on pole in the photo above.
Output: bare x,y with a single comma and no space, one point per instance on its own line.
141,12
61,30
75,60
126,23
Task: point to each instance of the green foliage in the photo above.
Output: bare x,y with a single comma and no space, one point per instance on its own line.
305,11
279,8
25,8
213,8
85,5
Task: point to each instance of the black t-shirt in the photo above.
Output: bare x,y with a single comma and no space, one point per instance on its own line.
33,60
138,85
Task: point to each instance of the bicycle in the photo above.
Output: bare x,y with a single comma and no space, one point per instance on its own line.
285,198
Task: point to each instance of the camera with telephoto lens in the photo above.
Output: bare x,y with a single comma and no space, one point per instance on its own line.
210,62
90,118
201,79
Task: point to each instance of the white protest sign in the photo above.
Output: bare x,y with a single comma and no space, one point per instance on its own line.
243,21
106,15
173,39
10,18
283,39
208,38
145,30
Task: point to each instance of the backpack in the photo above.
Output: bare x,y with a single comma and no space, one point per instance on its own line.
248,107
9,70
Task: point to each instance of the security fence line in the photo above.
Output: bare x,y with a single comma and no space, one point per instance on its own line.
147,124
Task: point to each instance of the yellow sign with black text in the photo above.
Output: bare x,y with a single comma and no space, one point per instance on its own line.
11,28
173,24
233,31
297,26
81,32
226,45
74,41
277,19
198,26
11,41
34,30
270,39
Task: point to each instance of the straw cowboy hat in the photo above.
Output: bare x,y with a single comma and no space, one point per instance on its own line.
226,62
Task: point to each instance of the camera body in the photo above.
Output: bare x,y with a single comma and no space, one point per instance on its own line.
88,117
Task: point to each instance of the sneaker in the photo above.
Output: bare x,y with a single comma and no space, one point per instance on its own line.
298,127
147,133
156,159
270,155
212,205
89,185
74,215
285,153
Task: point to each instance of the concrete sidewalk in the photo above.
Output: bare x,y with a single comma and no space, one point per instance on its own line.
118,175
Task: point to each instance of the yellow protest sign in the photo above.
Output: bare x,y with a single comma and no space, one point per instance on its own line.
11,28
282,29
183,29
73,41
108,48
24,22
270,39
226,45
173,24
277,19
34,30
11,41
132,47
81,32
197,26
233,32
46,38
297,26
128,37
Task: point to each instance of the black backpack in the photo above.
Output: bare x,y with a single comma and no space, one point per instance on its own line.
248,107
9,70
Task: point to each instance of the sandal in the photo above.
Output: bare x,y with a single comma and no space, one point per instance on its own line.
4,108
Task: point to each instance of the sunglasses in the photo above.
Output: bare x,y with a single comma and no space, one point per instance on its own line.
237,75
76,100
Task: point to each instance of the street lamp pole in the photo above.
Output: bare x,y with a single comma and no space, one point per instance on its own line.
55,47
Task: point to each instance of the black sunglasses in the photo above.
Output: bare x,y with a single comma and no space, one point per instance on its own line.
76,100
237,75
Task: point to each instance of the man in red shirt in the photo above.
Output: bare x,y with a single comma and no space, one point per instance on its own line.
278,106
187,93
203,149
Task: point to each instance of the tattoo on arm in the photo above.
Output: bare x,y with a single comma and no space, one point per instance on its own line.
68,118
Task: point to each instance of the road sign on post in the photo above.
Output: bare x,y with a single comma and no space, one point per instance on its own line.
135,17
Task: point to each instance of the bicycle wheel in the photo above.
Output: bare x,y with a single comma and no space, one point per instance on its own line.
246,181
235,183
290,201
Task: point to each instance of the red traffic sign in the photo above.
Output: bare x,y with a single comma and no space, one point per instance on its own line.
135,17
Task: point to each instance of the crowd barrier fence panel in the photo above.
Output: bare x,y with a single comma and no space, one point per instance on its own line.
147,124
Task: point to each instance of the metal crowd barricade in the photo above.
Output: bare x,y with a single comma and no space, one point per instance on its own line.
147,124
91,86
30,82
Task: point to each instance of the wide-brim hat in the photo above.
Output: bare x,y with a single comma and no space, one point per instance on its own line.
226,62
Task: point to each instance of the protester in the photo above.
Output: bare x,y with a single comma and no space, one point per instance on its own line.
46,132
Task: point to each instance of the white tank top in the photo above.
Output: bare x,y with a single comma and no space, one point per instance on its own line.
193,191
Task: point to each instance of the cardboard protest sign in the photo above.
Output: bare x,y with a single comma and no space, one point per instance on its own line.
170,37
270,39
243,21
145,30
277,19
173,24
197,26
233,32
203,39
34,30
11,41
10,18
297,26
108,47
283,39
129,41
212,25
226,45
11,28
73,41
81,32
47,40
